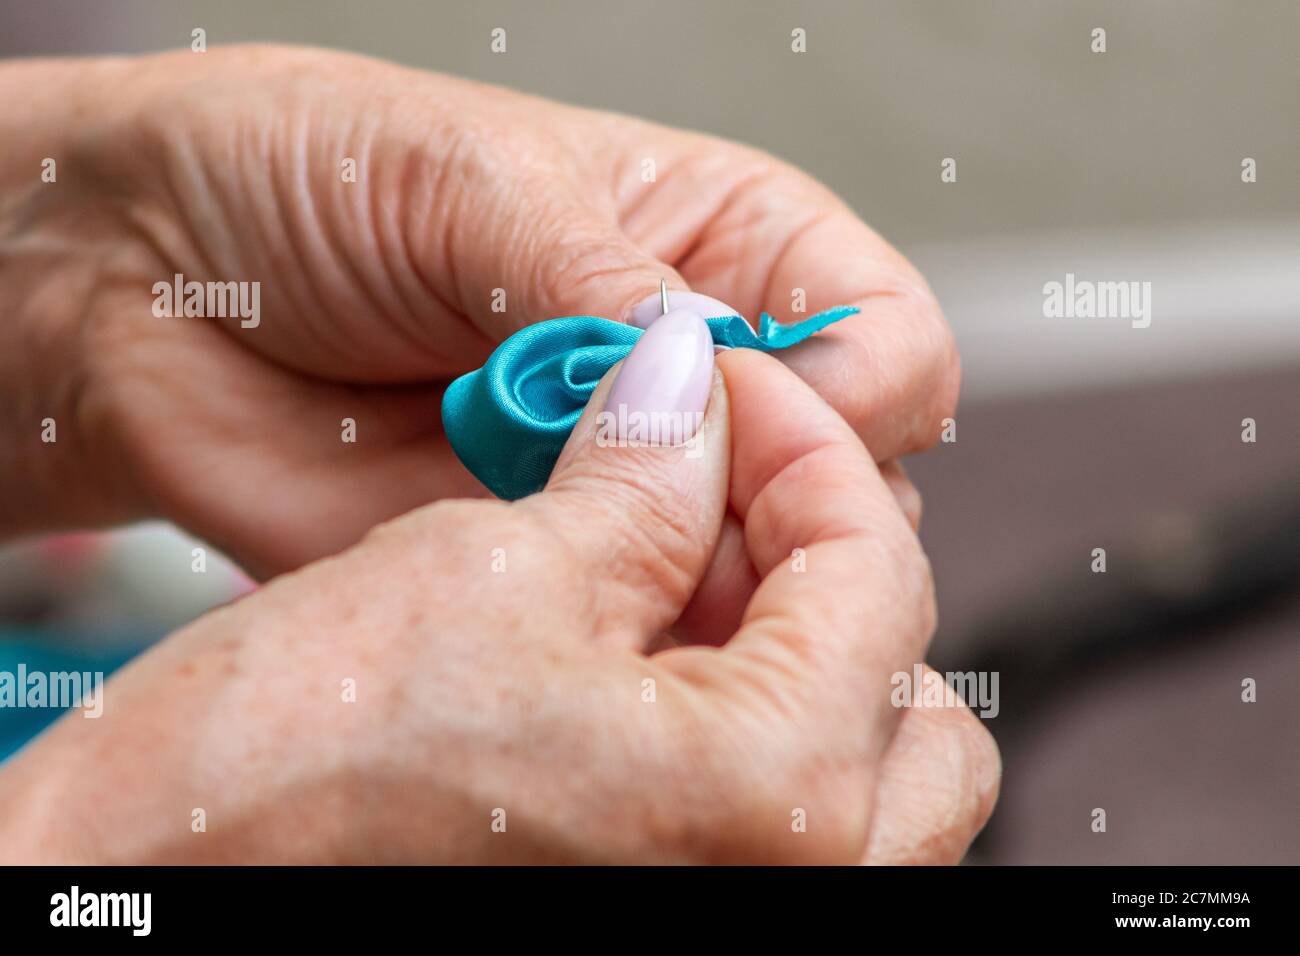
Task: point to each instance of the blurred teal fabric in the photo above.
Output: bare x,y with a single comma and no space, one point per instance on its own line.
41,651
508,421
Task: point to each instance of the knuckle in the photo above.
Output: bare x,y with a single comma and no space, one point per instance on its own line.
732,166
985,769
795,796
940,363
786,809
971,773
576,256
946,375
921,577
912,503
929,382
444,527
652,543
913,576
905,492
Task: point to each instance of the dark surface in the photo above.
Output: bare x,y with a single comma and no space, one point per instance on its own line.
1144,718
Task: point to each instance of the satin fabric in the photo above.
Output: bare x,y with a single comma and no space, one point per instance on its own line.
508,421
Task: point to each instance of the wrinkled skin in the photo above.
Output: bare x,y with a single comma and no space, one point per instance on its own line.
521,690
228,166
469,704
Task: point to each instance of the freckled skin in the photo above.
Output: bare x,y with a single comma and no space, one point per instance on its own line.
522,691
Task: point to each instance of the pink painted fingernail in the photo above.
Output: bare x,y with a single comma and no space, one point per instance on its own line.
663,387
650,309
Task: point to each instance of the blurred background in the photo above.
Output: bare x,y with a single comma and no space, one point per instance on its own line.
1121,690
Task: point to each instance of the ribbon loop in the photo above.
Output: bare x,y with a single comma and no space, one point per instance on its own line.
508,421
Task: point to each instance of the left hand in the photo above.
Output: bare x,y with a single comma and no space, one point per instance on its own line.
228,167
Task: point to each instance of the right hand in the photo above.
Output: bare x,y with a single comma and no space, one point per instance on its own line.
526,690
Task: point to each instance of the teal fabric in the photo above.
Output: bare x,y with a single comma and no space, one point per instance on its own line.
508,421
40,650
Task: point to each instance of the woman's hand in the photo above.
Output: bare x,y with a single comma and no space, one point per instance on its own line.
233,166
479,681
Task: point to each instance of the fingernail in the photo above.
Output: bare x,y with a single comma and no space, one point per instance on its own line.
663,387
650,309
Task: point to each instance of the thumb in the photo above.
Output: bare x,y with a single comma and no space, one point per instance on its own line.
637,498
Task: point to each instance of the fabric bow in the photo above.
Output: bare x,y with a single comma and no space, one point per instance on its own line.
508,421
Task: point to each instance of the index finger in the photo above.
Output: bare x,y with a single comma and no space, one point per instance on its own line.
845,599
756,233
892,370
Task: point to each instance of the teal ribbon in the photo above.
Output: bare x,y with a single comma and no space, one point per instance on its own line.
508,421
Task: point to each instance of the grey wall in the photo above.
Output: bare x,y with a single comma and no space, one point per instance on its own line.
1116,166
1047,135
